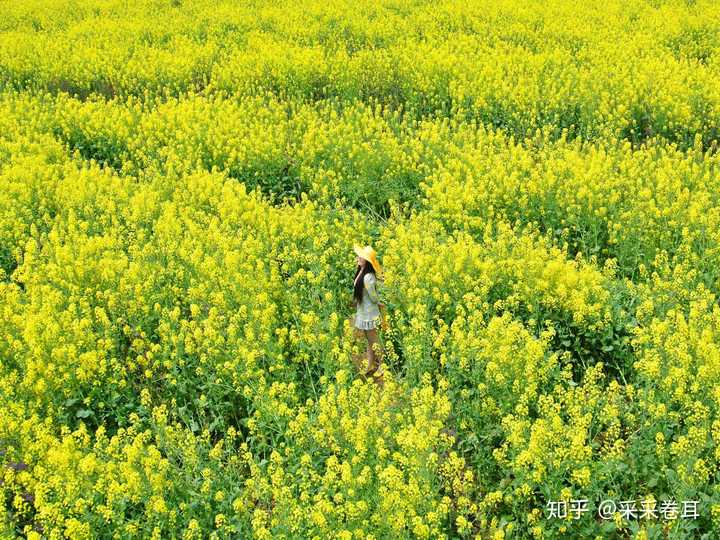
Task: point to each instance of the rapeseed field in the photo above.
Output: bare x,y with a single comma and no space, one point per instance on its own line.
182,183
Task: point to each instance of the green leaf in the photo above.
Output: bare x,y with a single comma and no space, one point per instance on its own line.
83,413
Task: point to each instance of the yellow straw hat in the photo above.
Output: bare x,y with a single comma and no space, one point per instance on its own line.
368,254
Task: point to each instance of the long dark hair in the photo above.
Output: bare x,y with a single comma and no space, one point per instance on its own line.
358,289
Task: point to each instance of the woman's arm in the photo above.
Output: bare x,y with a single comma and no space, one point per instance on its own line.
370,288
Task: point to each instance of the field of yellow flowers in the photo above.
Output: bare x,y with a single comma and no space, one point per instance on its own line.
181,185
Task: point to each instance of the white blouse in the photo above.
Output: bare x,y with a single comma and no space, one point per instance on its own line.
367,313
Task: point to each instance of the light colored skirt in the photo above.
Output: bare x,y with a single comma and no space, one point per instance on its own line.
365,325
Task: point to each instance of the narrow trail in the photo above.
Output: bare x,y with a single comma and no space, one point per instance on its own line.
378,377
361,364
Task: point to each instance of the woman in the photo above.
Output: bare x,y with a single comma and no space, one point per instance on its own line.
367,303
